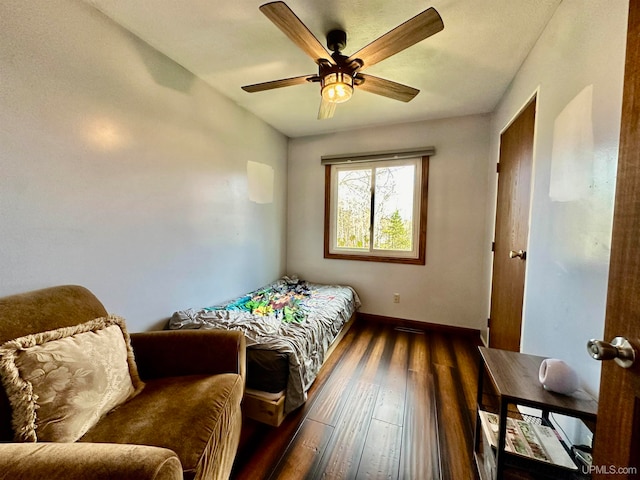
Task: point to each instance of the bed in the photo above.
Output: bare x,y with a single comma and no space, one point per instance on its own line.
291,326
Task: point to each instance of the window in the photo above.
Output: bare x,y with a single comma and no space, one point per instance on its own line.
377,211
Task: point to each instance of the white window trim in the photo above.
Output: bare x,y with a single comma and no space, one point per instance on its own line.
334,249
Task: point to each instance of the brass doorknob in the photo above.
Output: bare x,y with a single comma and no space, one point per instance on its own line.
521,254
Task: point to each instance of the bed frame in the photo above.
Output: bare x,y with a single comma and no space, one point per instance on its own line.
271,411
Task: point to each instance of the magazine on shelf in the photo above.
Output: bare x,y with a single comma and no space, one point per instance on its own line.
528,440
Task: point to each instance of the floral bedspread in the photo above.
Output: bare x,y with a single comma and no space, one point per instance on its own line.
284,299
295,317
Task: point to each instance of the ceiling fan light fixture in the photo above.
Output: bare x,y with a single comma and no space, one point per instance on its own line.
337,87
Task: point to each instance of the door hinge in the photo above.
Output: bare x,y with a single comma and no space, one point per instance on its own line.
498,167
488,322
493,246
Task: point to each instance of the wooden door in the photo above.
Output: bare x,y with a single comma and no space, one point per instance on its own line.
511,231
617,439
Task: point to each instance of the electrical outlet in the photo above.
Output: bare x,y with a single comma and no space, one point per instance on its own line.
396,298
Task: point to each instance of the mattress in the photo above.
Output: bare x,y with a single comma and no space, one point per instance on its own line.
289,326
267,370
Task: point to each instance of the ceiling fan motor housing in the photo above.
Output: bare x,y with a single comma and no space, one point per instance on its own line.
336,40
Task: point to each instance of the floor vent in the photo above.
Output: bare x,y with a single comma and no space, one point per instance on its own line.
409,330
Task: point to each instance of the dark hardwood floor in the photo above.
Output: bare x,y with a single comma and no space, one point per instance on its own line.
390,403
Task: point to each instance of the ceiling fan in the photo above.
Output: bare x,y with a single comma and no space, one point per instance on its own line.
338,74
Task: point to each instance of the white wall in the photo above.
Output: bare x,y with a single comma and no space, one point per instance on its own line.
451,288
568,255
122,172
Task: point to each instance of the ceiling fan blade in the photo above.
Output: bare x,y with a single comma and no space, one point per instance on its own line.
285,82
387,88
287,21
327,109
403,36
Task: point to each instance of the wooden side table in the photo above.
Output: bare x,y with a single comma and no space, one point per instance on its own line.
513,379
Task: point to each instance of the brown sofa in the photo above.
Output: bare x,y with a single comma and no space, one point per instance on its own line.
184,424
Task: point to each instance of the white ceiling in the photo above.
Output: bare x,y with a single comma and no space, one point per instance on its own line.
462,70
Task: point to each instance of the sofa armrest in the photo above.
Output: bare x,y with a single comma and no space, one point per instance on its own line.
173,353
98,461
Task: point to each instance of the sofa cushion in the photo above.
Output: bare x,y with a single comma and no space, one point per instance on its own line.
60,382
196,416
37,311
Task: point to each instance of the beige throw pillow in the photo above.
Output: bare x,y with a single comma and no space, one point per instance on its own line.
61,382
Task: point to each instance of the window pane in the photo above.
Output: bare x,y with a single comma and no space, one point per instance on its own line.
353,210
393,221
388,228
